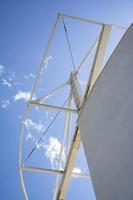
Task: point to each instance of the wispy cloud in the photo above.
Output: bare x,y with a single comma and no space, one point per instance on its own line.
48,116
52,149
29,124
47,61
29,136
52,152
22,95
45,66
2,68
5,103
6,83
30,75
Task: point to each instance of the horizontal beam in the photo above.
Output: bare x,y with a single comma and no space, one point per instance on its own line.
38,169
52,171
81,19
91,21
52,107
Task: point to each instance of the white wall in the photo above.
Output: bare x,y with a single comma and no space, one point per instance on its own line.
106,126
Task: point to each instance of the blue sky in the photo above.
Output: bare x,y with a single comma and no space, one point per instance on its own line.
25,28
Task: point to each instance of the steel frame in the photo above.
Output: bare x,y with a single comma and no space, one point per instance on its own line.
100,44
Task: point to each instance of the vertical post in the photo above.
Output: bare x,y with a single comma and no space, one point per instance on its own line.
66,131
77,93
76,90
99,57
68,124
78,97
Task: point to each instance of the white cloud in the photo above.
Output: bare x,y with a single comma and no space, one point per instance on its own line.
2,68
22,95
47,61
32,75
48,116
52,152
10,79
6,83
5,103
29,136
77,170
13,74
39,127
45,66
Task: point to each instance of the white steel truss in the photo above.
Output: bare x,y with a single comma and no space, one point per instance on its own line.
100,44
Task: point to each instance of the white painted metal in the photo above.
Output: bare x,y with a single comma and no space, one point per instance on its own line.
66,130
51,107
69,166
38,169
23,185
20,154
52,171
99,57
76,90
26,110
106,125
91,21
87,56
44,57
77,93
52,92
79,103
68,127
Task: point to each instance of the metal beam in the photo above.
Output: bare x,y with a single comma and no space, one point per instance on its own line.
65,132
76,90
91,21
69,166
68,127
99,58
52,92
23,185
76,139
44,56
77,93
87,55
52,171
38,169
32,93
52,107
20,153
